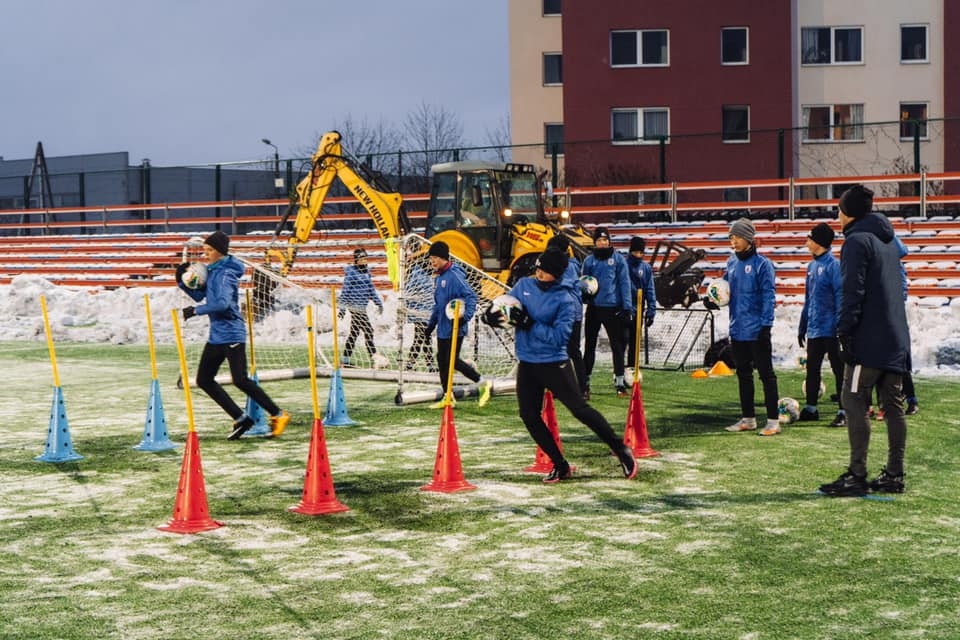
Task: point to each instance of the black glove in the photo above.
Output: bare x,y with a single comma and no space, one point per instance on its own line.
520,318
181,269
802,341
492,317
710,304
846,349
648,321
764,334
189,312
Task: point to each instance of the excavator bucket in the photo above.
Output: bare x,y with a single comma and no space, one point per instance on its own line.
675,278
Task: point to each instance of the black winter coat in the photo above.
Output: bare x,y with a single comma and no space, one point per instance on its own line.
872,311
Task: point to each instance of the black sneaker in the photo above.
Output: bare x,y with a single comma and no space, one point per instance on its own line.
621,391
806,415
912,409
628,463
839,421
240,427
558,473
847,485
887,483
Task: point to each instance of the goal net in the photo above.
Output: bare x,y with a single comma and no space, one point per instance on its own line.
402,355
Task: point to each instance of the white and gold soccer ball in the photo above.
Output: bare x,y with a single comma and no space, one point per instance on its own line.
195,276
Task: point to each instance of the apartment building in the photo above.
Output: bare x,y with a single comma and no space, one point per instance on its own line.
696,90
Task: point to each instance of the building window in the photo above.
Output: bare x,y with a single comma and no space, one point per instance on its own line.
736,194
831,45
551,7
733,45
833,123
639,126
553,137
913,43
552,69
640,48
736,123
913,119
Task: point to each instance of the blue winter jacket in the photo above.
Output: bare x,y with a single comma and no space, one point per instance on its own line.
572,277
553,313
449,285
641,279
752,294
613,280
902,250
872,314
358,290
821,301
222,292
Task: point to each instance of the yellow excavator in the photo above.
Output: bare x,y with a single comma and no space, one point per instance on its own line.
492,215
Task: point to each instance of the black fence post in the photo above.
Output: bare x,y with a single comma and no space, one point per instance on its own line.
780,161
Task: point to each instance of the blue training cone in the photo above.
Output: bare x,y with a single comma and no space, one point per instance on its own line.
261,426
337,404
155,436
59,447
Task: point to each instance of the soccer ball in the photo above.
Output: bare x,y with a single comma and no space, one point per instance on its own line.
195,276
789,410
718,292
449,309
823,389
503,304
589,285
380,361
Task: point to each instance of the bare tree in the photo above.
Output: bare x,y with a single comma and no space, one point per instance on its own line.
436,135
498,139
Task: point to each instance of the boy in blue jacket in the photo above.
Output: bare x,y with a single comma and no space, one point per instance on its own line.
357,292
752,301
450,284
641,279
818,320
228,336
543,325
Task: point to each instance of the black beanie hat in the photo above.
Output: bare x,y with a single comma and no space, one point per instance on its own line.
553,262
637,244
857,201
600,232
558,242
219,241
822,234
440,249
359,253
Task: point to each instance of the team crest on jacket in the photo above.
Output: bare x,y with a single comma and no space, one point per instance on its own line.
819,271
443,283
610,262
748,268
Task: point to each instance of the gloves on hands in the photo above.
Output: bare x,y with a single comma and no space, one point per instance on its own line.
492,317
181,269
802,341
648,321
520,318
710,304
188,312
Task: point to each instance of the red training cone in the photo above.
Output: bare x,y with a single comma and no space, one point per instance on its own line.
319,496
542,462
190,513
635,433
448,471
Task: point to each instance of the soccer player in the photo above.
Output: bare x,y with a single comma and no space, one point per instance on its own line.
358,291
641,279
228,336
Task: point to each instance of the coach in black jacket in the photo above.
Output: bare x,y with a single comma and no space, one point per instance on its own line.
874,341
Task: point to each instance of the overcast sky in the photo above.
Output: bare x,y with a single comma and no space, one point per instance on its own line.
199,81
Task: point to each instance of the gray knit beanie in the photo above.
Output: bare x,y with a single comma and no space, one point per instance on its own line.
743,228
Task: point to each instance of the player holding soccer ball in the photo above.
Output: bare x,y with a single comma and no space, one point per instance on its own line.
228,335
543,321
450,285
752,301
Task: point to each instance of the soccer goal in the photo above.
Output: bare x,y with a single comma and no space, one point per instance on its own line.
403,356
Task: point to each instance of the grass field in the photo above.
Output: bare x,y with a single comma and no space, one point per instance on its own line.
720,537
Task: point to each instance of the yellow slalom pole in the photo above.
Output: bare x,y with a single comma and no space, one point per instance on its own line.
313,362
184,375
448,397
639,334
336,348
53,353
153,351
253,356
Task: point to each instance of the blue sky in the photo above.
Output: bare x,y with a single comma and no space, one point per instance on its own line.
199,81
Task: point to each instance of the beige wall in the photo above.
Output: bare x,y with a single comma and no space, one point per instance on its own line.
531,34
881,83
